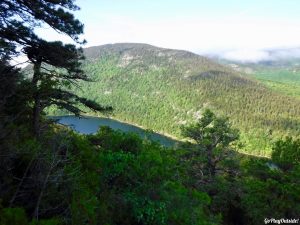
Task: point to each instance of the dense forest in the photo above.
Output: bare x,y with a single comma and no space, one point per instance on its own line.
281,75
51,175
163,89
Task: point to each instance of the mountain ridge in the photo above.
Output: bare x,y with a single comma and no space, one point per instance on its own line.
163,89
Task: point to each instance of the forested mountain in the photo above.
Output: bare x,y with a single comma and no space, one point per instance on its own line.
281,75
51,175
163,89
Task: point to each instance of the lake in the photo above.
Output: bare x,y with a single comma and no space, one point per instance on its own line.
90,125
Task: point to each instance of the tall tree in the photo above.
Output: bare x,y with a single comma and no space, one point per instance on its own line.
18,18
55,65
213,136
13,94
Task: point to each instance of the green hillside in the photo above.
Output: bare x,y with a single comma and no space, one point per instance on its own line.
284,80
50,174
281,75
162,89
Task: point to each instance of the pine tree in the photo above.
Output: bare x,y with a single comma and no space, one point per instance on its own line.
55,65
213,136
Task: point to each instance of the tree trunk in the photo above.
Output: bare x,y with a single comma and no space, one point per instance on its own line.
21,182
36,210
36,99
210,162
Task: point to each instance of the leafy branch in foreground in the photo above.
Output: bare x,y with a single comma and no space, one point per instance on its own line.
56,66
213,136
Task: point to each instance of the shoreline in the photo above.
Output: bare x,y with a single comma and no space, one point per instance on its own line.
125,122
245,153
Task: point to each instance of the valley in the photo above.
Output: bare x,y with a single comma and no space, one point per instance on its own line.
133,134
164,89
282,75
90,125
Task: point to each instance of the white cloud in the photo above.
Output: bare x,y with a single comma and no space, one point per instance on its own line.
195,33
246,55
237,37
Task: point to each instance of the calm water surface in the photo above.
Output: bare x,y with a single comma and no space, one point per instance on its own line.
90,125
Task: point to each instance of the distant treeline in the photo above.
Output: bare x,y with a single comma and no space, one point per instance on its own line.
162,89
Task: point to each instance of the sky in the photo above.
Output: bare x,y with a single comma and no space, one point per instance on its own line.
233,29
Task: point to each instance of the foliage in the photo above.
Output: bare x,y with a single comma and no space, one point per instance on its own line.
252,189
15,216
286,153
140,186
114,178
162,89
13,101
118,178
284,79
213,136
270,194
55,65
18,18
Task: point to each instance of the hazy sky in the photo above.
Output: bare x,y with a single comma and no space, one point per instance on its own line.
234,28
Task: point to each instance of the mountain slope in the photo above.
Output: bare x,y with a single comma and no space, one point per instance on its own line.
162,89
281,75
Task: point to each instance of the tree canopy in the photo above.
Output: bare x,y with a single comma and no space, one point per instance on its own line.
56,66
213,136
18,18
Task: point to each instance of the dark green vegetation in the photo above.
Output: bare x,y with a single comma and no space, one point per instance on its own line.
117,178
50,175
162,89
55,65
108,178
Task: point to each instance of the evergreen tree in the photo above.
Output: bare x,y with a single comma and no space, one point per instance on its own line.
213,136
18,18
13,99
286,153
55,65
